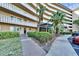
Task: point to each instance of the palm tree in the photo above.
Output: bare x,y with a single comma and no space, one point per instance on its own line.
57,19
40,10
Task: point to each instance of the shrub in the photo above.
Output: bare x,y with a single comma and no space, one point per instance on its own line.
65,33
5,35
51,30
42,37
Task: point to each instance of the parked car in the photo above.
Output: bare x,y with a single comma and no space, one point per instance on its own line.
74,38
75,34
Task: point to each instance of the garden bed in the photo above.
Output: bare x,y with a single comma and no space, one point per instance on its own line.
10,44
10,47
42,37
45,36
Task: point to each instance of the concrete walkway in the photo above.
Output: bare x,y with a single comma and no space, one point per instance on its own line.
30,48
61,47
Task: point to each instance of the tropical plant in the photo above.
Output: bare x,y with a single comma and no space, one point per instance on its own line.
57,19
76,21
40,10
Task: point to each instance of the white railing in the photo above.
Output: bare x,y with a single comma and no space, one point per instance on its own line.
29,7
59,8
18,10
48,7
54,9
15,20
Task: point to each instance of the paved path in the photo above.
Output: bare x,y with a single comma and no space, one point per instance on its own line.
30,48
61,47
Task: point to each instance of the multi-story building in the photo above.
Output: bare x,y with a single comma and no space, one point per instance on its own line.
22,17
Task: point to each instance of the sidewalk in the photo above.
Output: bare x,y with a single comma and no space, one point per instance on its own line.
61,47
30,48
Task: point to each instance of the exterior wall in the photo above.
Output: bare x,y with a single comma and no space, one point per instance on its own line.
24,16
7,27
29,29
14,28
4,27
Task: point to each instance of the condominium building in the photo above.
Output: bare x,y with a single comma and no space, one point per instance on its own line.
22,17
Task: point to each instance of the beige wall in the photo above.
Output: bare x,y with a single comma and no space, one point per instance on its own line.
4,27
29,29
30,16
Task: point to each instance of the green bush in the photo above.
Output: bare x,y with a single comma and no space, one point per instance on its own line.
51,30
42,37
5,35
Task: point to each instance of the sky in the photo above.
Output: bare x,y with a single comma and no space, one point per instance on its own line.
72,6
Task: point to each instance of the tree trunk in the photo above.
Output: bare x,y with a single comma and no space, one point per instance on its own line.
57,31
40,19
38,28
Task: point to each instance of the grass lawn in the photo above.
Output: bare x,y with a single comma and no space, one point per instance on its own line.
10,47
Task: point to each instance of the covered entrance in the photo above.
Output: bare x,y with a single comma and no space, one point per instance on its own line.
45,27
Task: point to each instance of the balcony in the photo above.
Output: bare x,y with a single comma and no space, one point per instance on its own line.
58,8
29,7
18,10
15,20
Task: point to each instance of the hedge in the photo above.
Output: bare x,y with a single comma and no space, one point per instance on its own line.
65,33
5,35
42,37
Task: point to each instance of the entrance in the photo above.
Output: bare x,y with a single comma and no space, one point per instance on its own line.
24,30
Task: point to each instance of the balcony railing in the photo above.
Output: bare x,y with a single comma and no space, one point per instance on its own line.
29,7
18,10
15,20
59,8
